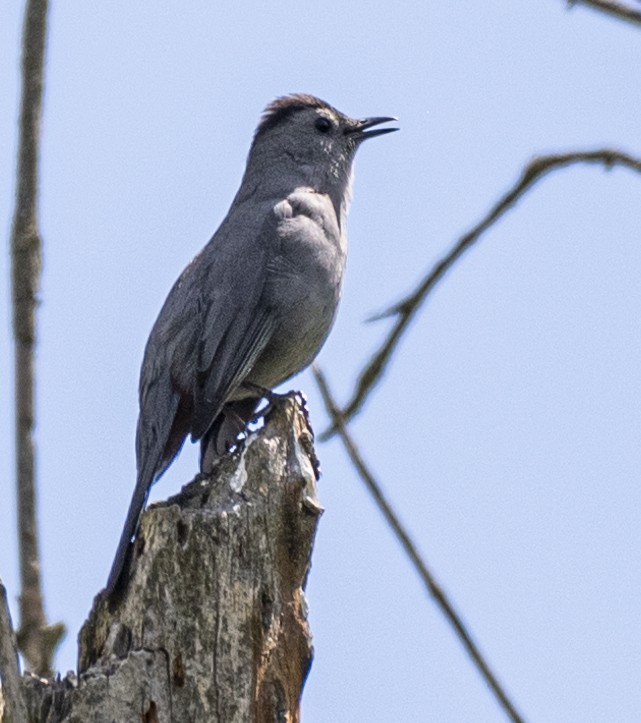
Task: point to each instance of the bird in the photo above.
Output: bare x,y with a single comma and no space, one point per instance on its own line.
255,306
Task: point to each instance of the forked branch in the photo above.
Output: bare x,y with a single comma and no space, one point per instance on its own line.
405,310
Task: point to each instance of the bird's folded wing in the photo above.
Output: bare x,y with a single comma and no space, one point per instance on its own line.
242,344
238,324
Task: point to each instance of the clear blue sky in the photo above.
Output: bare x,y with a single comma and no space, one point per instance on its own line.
507,429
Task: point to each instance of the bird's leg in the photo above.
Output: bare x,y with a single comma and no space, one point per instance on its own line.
263,392
224,434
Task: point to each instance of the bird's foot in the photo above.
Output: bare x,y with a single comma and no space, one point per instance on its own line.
272,399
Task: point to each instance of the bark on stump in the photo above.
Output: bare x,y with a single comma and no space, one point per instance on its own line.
212,625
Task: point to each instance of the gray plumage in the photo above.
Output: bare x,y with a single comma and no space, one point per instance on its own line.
254,307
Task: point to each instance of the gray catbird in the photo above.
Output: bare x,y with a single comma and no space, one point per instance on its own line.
256,304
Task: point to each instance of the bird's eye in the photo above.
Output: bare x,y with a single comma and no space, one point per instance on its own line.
322,124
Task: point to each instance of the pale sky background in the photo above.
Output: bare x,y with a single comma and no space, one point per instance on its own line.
507,429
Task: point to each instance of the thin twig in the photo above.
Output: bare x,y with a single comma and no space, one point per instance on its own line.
616,9
405,310
36,639
15,710
409,547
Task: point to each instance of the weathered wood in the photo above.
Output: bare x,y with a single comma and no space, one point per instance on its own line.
12,706
212,625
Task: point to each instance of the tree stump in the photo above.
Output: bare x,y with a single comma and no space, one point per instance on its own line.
212,623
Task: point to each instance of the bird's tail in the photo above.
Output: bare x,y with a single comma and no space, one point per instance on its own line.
138,500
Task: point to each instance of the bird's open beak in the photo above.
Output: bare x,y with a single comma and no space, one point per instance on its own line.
359,130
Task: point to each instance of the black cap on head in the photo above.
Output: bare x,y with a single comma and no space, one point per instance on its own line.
282,108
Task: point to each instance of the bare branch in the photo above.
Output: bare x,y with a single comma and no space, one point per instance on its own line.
36,640
411,551
405,310
14,706
616,9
